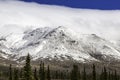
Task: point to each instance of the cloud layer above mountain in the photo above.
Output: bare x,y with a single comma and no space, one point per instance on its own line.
17,16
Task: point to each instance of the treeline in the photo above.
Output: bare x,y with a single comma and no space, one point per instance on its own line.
46,73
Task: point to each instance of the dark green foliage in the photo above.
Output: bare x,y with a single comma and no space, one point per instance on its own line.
27,69
16,77
35,74
56,75
42,71
104,74
10,73
21,73
84,74
75,73
60,75
94,73
109,76
115,76
48,73
79,75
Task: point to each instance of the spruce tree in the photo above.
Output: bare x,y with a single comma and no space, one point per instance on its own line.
27,69
48,74
84,74
104,74
21,73
42,72
79,75
35,74
0,74
75,73
56,74
101,75
10,73
109,76
115,75
112,76
94,72
16,74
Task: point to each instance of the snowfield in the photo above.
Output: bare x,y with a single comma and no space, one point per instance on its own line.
59,43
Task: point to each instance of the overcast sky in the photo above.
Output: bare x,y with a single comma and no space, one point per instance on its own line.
17,16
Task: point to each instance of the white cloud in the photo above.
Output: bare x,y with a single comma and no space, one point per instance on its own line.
16,15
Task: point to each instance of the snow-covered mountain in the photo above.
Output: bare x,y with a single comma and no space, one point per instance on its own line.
21,33
58,43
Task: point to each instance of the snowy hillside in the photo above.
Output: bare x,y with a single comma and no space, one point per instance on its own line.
87,35
58,43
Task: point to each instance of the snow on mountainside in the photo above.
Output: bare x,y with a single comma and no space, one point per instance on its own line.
21,33
58,43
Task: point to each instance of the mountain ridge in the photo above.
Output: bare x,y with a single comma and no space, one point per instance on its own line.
58,43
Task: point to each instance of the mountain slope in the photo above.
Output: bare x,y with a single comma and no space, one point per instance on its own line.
60,44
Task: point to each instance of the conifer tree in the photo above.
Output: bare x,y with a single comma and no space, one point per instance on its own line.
27,69
21,73
61,75
42,71
79,75
0,74
16,74
56,74
35,74
84,74
104,74
112,76
115,75
109,75
10,73
94,72
48,74
101,75
74,73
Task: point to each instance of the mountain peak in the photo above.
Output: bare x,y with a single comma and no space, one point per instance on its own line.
59,43
61,28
